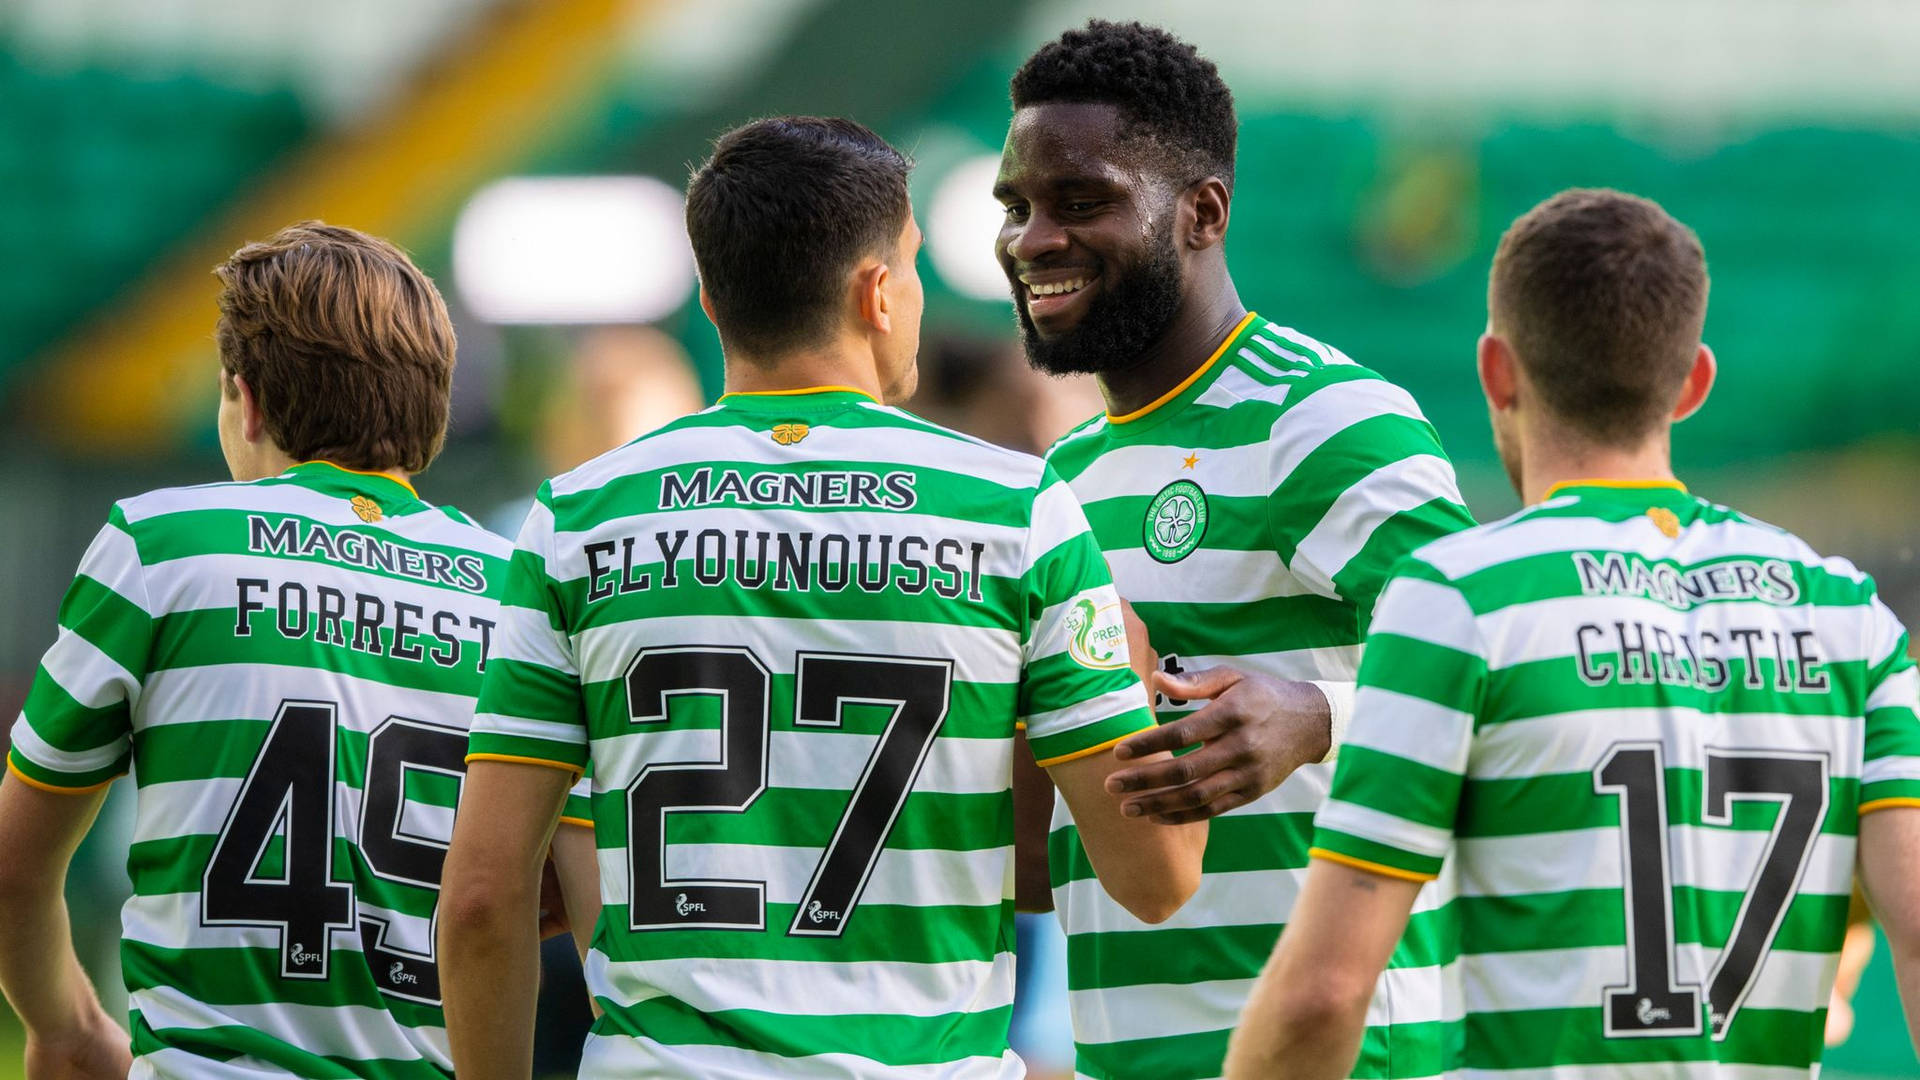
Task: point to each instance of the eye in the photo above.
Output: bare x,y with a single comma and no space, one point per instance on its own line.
1083,206
1016,212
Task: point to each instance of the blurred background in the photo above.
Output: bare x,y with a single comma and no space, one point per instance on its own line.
531,153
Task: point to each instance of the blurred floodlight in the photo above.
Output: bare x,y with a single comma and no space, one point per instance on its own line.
573,249
962,223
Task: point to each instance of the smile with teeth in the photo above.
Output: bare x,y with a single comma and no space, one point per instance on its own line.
1057,288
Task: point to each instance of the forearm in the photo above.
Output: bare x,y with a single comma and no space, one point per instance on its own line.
1282,1034
489,979
39,971
1032,816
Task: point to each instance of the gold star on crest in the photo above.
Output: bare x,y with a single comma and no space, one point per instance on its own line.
1190,461
1665,520
788,434
368,510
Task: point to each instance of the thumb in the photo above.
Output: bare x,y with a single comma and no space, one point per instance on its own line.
1196,685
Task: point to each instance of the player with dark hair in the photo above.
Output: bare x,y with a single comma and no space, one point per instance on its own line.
1655,734
287,663
1250,487
794,635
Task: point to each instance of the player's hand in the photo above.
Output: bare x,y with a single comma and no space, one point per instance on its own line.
553,905
1140,652
1255,731
98,1050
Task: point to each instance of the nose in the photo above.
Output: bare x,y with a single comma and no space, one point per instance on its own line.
1034,238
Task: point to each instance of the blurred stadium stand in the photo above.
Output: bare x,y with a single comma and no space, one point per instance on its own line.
1384,145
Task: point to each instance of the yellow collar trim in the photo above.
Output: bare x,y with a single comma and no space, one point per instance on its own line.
800,390
1143,410
401,480
1674,484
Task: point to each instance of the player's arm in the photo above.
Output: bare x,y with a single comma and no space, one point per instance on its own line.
1889,851
576,865
1032,822
1080,695
489,919
527,746
1384,830
1364,483
68,1032
1308,1010
71,741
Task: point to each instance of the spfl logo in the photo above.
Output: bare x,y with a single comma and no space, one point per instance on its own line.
398,974
817,914
1094,635
301,956
1649,1014
686,907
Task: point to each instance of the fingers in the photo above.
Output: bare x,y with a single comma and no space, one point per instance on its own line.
1195,727
1232,800
1197,685
1187,798
1174,771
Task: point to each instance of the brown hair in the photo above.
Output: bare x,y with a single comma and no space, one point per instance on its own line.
346,344
1602,295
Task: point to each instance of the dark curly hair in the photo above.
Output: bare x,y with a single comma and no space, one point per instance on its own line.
1167,93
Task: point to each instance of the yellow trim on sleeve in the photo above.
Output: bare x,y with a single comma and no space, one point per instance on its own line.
395,477
1126,418
1369,867
1019,725
1871,805
565,820
56,788
800,390
1049,763
516,759
1604,483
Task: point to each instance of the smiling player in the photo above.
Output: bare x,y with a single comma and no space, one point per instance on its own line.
1250,487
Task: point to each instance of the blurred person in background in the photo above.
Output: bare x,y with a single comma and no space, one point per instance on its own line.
278,656
773,904
1251,487
1572,704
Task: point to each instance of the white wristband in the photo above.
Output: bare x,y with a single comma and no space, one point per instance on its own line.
1339,697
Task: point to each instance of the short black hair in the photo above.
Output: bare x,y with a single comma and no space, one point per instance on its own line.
1602,296
780,214
1165,90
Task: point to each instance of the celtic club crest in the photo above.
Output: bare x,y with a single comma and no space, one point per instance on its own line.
1176,520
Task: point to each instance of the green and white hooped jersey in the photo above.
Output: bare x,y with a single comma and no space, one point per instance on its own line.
1641,729
1251,517
793,635
288,667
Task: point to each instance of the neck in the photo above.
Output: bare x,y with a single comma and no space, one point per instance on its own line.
1209,311
835,365
1547,462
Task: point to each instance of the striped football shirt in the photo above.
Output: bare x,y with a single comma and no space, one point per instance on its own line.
288,668
1641,729
1251,516
793,636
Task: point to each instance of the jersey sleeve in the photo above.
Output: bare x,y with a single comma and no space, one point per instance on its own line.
1078,694
74,734
1362,482
578,809
1397,788
1890,775
531,707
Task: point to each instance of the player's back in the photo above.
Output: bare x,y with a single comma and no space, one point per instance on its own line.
1684,713
292,665
803,627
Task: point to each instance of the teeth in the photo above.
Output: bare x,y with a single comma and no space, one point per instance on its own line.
1058,288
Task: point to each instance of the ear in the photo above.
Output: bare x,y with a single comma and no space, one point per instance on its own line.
706,305
870,295
253,422
1693,392
1212,206
1499,371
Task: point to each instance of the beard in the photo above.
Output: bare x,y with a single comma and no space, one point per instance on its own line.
1127,318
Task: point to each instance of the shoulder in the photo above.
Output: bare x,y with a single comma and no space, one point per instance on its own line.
1080,445
942,447
1308,387
270,494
